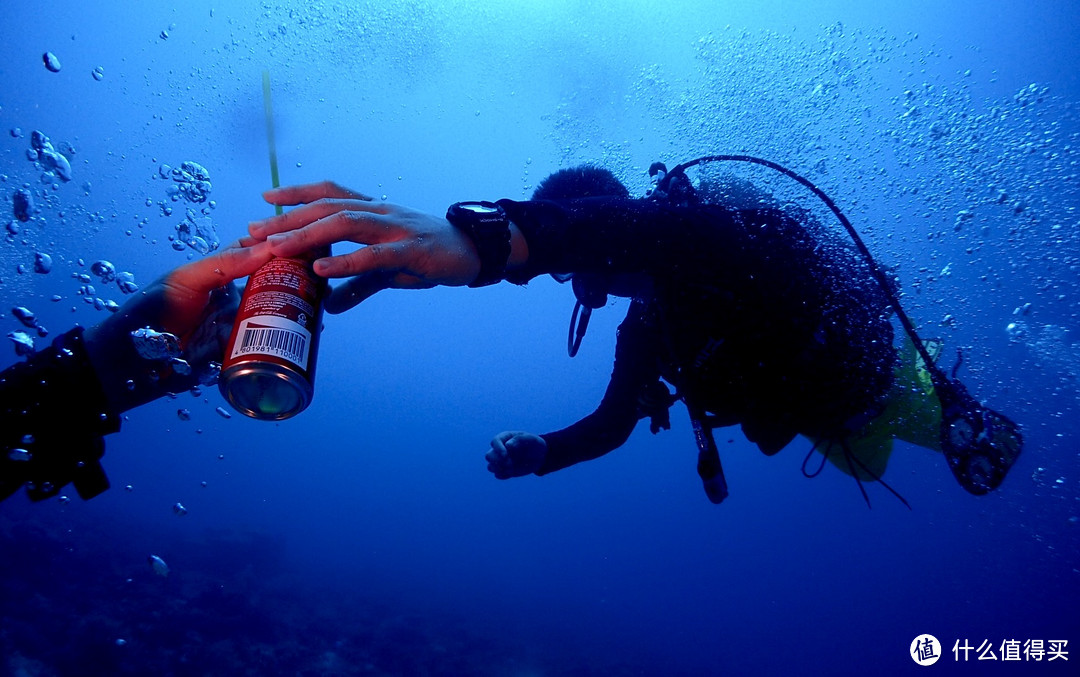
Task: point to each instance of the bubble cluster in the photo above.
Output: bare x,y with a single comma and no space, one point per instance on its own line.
197,232
125,282
191,182
1052,346
52,162
155,345
23,342
28,319
887,127
106,273
104,270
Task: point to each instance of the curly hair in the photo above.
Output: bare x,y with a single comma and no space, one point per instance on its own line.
581,181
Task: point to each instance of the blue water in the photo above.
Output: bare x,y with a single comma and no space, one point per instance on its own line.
365,536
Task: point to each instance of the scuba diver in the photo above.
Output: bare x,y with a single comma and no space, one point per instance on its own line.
757,316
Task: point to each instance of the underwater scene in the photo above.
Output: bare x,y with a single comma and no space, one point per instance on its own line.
366,536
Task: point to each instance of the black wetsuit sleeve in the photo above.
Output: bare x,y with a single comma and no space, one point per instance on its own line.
615,235
610,425
53,416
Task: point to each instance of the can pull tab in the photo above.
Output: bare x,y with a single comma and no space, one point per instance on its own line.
708,465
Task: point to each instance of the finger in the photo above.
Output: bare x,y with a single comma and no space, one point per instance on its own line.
339,227
355,290
310,213
505,436
376,258
498,448
500,470
358,289
246,241
204,275
310,192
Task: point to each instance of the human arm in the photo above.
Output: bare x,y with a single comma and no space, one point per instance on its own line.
515,453
405,248
195,302
637,347
56,407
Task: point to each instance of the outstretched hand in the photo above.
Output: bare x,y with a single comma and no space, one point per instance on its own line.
402,248
195,302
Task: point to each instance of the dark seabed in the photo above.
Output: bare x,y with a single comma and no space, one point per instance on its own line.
365,537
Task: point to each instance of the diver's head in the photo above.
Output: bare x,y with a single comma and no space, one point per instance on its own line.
581,181
585,180
590,289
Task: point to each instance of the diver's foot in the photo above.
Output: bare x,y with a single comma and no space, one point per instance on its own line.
981,455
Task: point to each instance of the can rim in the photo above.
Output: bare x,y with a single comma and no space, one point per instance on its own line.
229,380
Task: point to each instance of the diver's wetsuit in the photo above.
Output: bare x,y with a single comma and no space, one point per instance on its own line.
53,416
754,318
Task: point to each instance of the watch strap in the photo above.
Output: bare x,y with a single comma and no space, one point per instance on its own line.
490,232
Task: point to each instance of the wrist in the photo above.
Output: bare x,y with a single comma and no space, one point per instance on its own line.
519,249
498,244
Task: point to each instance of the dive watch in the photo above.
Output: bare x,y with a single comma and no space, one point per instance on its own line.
488,226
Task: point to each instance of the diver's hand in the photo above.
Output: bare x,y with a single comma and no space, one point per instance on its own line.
405,248
515,453
195,302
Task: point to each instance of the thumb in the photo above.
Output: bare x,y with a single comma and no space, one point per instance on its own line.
353,291
235,261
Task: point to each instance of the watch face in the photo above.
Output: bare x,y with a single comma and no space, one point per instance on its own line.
480,207
478,213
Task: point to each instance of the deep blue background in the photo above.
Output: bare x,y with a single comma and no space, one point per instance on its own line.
365,536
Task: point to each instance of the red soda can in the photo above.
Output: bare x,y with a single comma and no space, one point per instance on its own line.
269,367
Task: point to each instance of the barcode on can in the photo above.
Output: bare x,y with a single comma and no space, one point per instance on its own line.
258,337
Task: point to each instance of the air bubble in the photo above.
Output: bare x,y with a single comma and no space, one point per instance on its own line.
51,62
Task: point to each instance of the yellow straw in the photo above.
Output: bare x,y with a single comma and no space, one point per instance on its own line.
274,181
